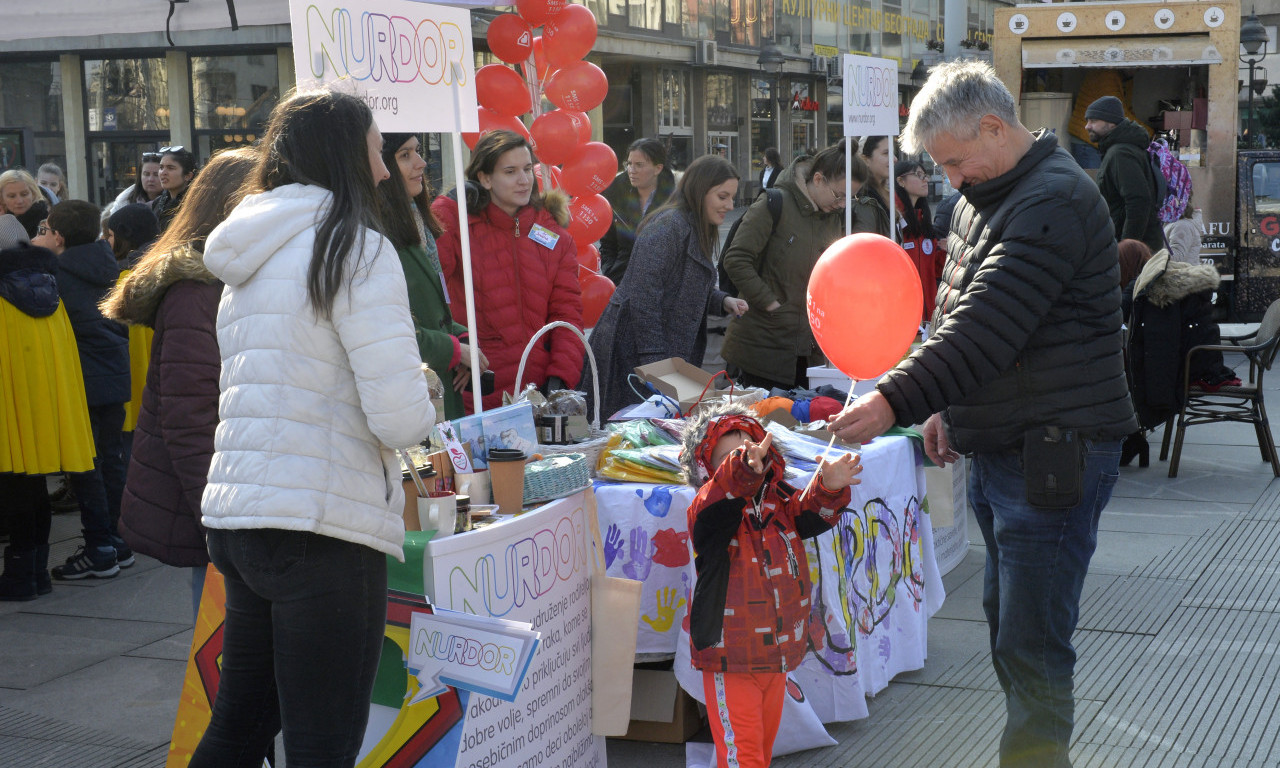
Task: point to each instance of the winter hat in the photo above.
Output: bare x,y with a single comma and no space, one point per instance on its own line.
135,222
1107,108
12,233
703,431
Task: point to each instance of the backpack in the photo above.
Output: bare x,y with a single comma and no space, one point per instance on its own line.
773,200
1173,182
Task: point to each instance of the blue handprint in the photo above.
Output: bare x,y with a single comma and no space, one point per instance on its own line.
641,556
612,545
658,503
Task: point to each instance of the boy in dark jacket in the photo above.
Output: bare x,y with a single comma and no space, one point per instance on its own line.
87,270
750,607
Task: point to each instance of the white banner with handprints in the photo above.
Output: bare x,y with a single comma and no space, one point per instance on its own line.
536,569
397,55
870,96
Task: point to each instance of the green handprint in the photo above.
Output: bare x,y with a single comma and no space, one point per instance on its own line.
667,606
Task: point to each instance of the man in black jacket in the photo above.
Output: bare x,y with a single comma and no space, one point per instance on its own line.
1125,177
1025,374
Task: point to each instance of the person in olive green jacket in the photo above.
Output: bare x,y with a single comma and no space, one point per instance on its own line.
411,227
773,345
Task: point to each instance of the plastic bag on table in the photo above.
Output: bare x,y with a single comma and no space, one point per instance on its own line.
640,433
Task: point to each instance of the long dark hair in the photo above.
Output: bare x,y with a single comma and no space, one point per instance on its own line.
774,159
484,159
221,187
320,138
703,175
919,219
398,221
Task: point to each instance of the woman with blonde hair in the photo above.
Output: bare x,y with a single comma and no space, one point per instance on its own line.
170,292
20,196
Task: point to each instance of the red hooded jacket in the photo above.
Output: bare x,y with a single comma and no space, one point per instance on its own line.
521,284
751,601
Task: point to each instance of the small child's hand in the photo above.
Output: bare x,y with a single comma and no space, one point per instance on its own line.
756,453
841,473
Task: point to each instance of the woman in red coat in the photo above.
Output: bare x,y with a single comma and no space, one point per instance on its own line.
524,265
922,244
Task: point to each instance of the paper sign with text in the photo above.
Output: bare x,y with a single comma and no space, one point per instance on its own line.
478,653
870,96
536,569
397,55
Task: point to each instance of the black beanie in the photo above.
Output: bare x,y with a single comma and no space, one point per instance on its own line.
134,222
1107,108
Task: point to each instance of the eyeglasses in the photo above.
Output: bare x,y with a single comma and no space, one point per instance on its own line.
838,196
919,174
174,148
43,229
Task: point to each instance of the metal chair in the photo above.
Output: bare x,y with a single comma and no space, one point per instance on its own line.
1241,404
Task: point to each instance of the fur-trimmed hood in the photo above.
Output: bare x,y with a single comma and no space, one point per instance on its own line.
136,299
1164,282
554,201
700,428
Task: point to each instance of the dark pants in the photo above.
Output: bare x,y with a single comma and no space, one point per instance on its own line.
99,491
25,500
304,627
751,380
1036,563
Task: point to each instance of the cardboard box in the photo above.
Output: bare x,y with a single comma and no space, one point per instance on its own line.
660,710
681,381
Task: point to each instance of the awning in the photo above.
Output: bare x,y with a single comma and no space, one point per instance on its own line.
1146,51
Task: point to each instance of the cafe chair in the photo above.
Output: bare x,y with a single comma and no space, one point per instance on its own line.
1242,403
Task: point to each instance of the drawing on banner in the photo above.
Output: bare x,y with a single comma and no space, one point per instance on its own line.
398,55
668,605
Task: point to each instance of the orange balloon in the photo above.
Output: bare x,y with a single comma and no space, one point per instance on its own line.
570,35
589,258
596,292
539,12
591,217
510,38
590,170
555,136
864,303
499,88
493,121
579,87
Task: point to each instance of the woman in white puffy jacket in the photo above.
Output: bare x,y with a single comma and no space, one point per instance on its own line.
320,381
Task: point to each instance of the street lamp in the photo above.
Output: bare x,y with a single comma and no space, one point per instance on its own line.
770,62
1254,40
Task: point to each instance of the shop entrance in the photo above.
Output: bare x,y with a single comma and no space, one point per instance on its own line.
114,162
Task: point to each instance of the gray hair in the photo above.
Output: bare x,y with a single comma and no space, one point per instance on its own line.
956,97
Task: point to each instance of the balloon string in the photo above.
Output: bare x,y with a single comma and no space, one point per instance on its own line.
826,453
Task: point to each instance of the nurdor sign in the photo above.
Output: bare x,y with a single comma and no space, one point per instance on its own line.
486,655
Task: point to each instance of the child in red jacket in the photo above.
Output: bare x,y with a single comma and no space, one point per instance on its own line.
751,602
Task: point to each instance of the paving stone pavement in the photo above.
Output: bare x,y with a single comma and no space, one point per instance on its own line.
1178,645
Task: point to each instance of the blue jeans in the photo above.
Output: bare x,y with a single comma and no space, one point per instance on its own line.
305,622
1036,563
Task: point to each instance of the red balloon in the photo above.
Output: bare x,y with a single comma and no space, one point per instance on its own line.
584,126
553,171
570,35
555,136
590,170
864,303
539,60
510,38
579,87
493,121
596,292
591,217
589,258
539,12
499,88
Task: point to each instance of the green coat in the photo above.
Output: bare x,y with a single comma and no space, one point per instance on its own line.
768,344
871,213
432,322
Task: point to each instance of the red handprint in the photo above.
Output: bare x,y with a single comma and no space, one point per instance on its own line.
672,548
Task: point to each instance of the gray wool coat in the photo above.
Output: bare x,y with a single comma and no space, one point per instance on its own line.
660,309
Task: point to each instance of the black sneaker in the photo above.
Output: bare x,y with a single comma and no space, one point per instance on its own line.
83,564
124,555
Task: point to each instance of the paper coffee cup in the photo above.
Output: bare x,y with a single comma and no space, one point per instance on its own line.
506,473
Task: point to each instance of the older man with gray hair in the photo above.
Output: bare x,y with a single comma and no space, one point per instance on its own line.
1024,373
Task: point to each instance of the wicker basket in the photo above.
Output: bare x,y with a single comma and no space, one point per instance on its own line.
591,447
555,477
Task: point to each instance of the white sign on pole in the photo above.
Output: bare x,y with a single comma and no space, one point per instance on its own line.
870,96
400,56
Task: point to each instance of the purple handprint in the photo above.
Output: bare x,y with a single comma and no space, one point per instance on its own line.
886,648
641,556
612,545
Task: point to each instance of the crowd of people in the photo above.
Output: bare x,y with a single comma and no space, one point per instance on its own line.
223,360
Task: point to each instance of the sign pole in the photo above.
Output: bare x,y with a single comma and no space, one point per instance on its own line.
464,237
896,234
848,187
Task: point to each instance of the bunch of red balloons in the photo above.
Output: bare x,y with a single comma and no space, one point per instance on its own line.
551,65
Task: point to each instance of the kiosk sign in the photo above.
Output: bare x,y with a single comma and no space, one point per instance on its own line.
870,96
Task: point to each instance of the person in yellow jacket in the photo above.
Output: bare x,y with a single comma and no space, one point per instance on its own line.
44,417
131,230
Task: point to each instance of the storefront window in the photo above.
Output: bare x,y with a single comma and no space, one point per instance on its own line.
31,98
127,94
722,104
645,14
234,92
675,100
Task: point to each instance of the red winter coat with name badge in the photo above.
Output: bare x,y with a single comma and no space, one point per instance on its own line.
520,286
